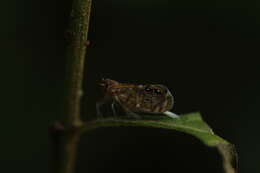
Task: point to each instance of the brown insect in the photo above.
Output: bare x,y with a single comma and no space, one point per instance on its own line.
149,98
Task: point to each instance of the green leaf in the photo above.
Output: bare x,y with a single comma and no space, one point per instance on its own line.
191,124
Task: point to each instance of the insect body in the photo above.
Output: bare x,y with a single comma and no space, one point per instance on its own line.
150,98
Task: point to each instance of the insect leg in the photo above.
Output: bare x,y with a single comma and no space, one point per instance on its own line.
99,104
113,108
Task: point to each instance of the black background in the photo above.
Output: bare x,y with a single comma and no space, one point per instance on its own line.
204,51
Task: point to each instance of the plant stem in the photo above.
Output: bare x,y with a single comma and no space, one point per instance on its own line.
67,151
76,50
65,134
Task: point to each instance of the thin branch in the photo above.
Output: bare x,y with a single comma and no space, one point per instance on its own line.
65,134
76,50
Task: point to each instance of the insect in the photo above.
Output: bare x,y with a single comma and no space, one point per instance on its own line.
148,98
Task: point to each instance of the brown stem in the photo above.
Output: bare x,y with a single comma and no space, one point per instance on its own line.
67,151
65,135
76,50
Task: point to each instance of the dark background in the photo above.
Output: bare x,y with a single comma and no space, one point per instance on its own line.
204,51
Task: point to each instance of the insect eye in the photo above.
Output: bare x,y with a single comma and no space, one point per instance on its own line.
157,91
147,89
